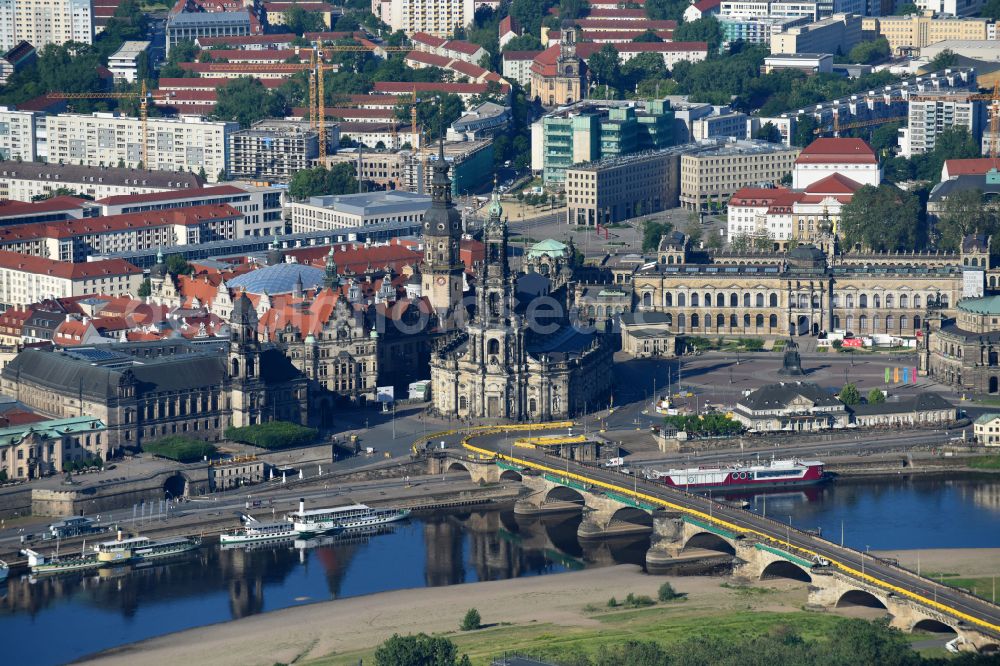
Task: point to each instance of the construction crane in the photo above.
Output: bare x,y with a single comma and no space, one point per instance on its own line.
143,96
836,128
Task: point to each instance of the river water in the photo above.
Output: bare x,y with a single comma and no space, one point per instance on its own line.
53,620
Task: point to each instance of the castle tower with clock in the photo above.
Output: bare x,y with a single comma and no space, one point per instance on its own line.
442,271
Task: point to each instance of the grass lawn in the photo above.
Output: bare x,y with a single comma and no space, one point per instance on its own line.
666,623
985,462
981,586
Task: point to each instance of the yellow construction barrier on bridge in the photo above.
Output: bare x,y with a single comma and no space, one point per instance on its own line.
545,442
639,496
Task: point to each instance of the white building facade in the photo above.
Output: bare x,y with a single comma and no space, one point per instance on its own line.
41,22
19,134
435,17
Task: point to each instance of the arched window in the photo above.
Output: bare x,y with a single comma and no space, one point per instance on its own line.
904,323
463,403
493,346
681,300
236,368
695,321
916,323
863,301
876,301
734,300
647,299
850,322
803,301
836,321
250,367
708,300
876,322
532,405
772,322
681,321
746,321
890,323
732,322
904,301
694,300
720,300
916,301
760,300
720,321
890,301
849,300
836,300
759,321
944,300
863,323
668,299
772,300
746,300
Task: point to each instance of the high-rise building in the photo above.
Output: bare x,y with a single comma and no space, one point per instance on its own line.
110,139
41,22
18,134
712,173
272,150
619,188
435,17
933,113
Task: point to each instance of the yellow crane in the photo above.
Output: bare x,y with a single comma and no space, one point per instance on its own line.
837,126
143,96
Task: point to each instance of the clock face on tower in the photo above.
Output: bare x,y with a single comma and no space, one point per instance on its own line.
441,280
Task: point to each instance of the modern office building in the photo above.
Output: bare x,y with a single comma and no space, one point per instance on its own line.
189,26
589,131
808,63
712,173
757,29
931,114
42,22
470,164
110,139
272,150
342,211
837,34
618,188
733,124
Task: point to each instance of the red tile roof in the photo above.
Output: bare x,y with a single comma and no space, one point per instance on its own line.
273,55
428,58
707,5
976,166
248,40
242,68
837,151
65,269
520,55
405,87
509,24
429,40
308,6
620,14
12,208
208,83
611,24
218,190
762,197
459,46
834,184
188,216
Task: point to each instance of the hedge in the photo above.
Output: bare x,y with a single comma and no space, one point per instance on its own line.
273,435
179,448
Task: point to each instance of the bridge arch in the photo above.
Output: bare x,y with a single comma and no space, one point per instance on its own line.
932,626
709,541
458,467
176,485
510,475
565,494
785,569
632,517
854,598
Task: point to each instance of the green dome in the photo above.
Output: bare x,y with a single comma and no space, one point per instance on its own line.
495,210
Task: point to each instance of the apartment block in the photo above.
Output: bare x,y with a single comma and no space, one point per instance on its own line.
763,8
110,139
918,31
261,206
26,279
19,134
733,124
23,181
711,173
838,33
272,150
42,22
619,188
933,113
589,131
357,210
434,17
517,66
76,240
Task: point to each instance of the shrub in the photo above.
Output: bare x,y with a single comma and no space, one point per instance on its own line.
471,621
181,449
638,600
273,435
667,592
612,603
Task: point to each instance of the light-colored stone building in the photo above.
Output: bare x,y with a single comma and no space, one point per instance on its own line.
712,173
501,366
618,188
345,211
987,429
917,30
557,72
791,406
37,449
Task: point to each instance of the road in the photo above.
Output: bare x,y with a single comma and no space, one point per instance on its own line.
852,562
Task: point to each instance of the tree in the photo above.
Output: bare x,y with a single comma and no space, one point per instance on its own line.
885,137
419,650
991,10
471,621
768,132
883,219
876,397
804,131
666,9
339,179
605,66
145,289
706,29
246,101
849,395
300,21
667,592
436,116
525,42
571,9
529,14
648,36
178,265
963,213
906,9
943,60
652,232
870,52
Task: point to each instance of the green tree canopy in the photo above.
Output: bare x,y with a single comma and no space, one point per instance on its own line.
849,395
418,650
525,42
768,132
605,67
706,29
652,232
870,52
944,59
177,265
964,213
991,10
300,21
339,179
648,36
906,9
666,9
246,101
883,219
876,397
435,115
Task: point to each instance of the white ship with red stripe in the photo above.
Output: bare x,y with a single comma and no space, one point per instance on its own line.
776,473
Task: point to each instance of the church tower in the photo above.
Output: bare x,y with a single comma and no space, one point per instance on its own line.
244,363
442,272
